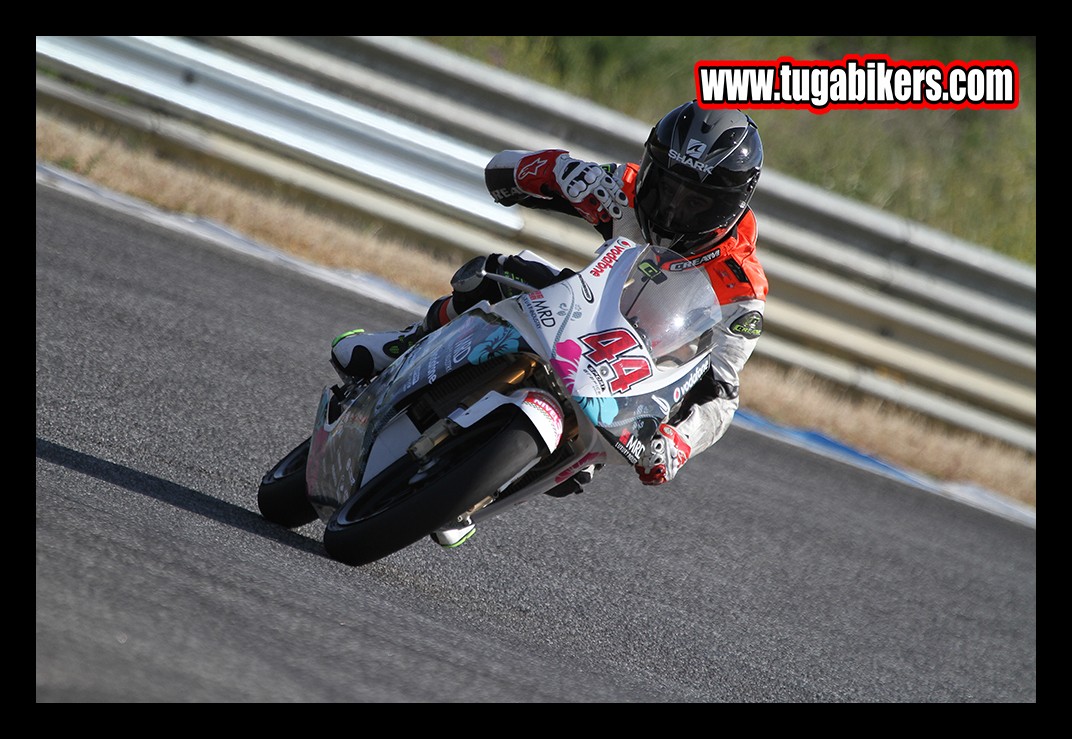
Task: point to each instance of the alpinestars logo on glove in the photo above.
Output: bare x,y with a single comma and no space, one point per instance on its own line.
532,169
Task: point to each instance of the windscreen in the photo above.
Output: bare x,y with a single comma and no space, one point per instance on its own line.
673,311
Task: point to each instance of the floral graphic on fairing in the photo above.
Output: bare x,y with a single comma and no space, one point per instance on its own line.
503,340
601,410
570,310
567,357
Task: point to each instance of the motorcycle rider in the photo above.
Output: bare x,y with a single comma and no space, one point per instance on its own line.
689,193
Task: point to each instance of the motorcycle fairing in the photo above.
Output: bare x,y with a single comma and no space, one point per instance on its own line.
626,363
344,431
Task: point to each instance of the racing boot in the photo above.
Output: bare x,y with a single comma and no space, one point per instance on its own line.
575,484
361,355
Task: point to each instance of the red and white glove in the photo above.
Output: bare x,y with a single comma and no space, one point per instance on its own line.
667,453
591,190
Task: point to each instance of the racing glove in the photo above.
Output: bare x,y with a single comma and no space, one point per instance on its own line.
587,186
666,454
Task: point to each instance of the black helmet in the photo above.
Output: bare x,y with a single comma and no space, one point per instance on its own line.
698,174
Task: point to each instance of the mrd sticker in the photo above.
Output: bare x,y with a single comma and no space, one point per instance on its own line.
630,446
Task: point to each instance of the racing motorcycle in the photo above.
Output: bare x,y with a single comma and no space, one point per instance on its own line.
503,403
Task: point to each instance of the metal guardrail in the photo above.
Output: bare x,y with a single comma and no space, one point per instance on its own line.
922,319
496,110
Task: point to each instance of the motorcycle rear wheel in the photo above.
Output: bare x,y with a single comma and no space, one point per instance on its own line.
283,496
408,501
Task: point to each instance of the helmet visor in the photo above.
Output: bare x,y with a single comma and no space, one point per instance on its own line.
685,207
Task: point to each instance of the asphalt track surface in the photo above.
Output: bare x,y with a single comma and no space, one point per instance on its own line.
172,372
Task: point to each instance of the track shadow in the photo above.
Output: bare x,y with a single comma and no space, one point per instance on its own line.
177,495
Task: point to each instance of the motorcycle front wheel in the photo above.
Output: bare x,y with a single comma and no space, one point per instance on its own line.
409,500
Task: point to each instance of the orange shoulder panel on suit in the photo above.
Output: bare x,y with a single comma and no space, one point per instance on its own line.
732,266
629,182
736,273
